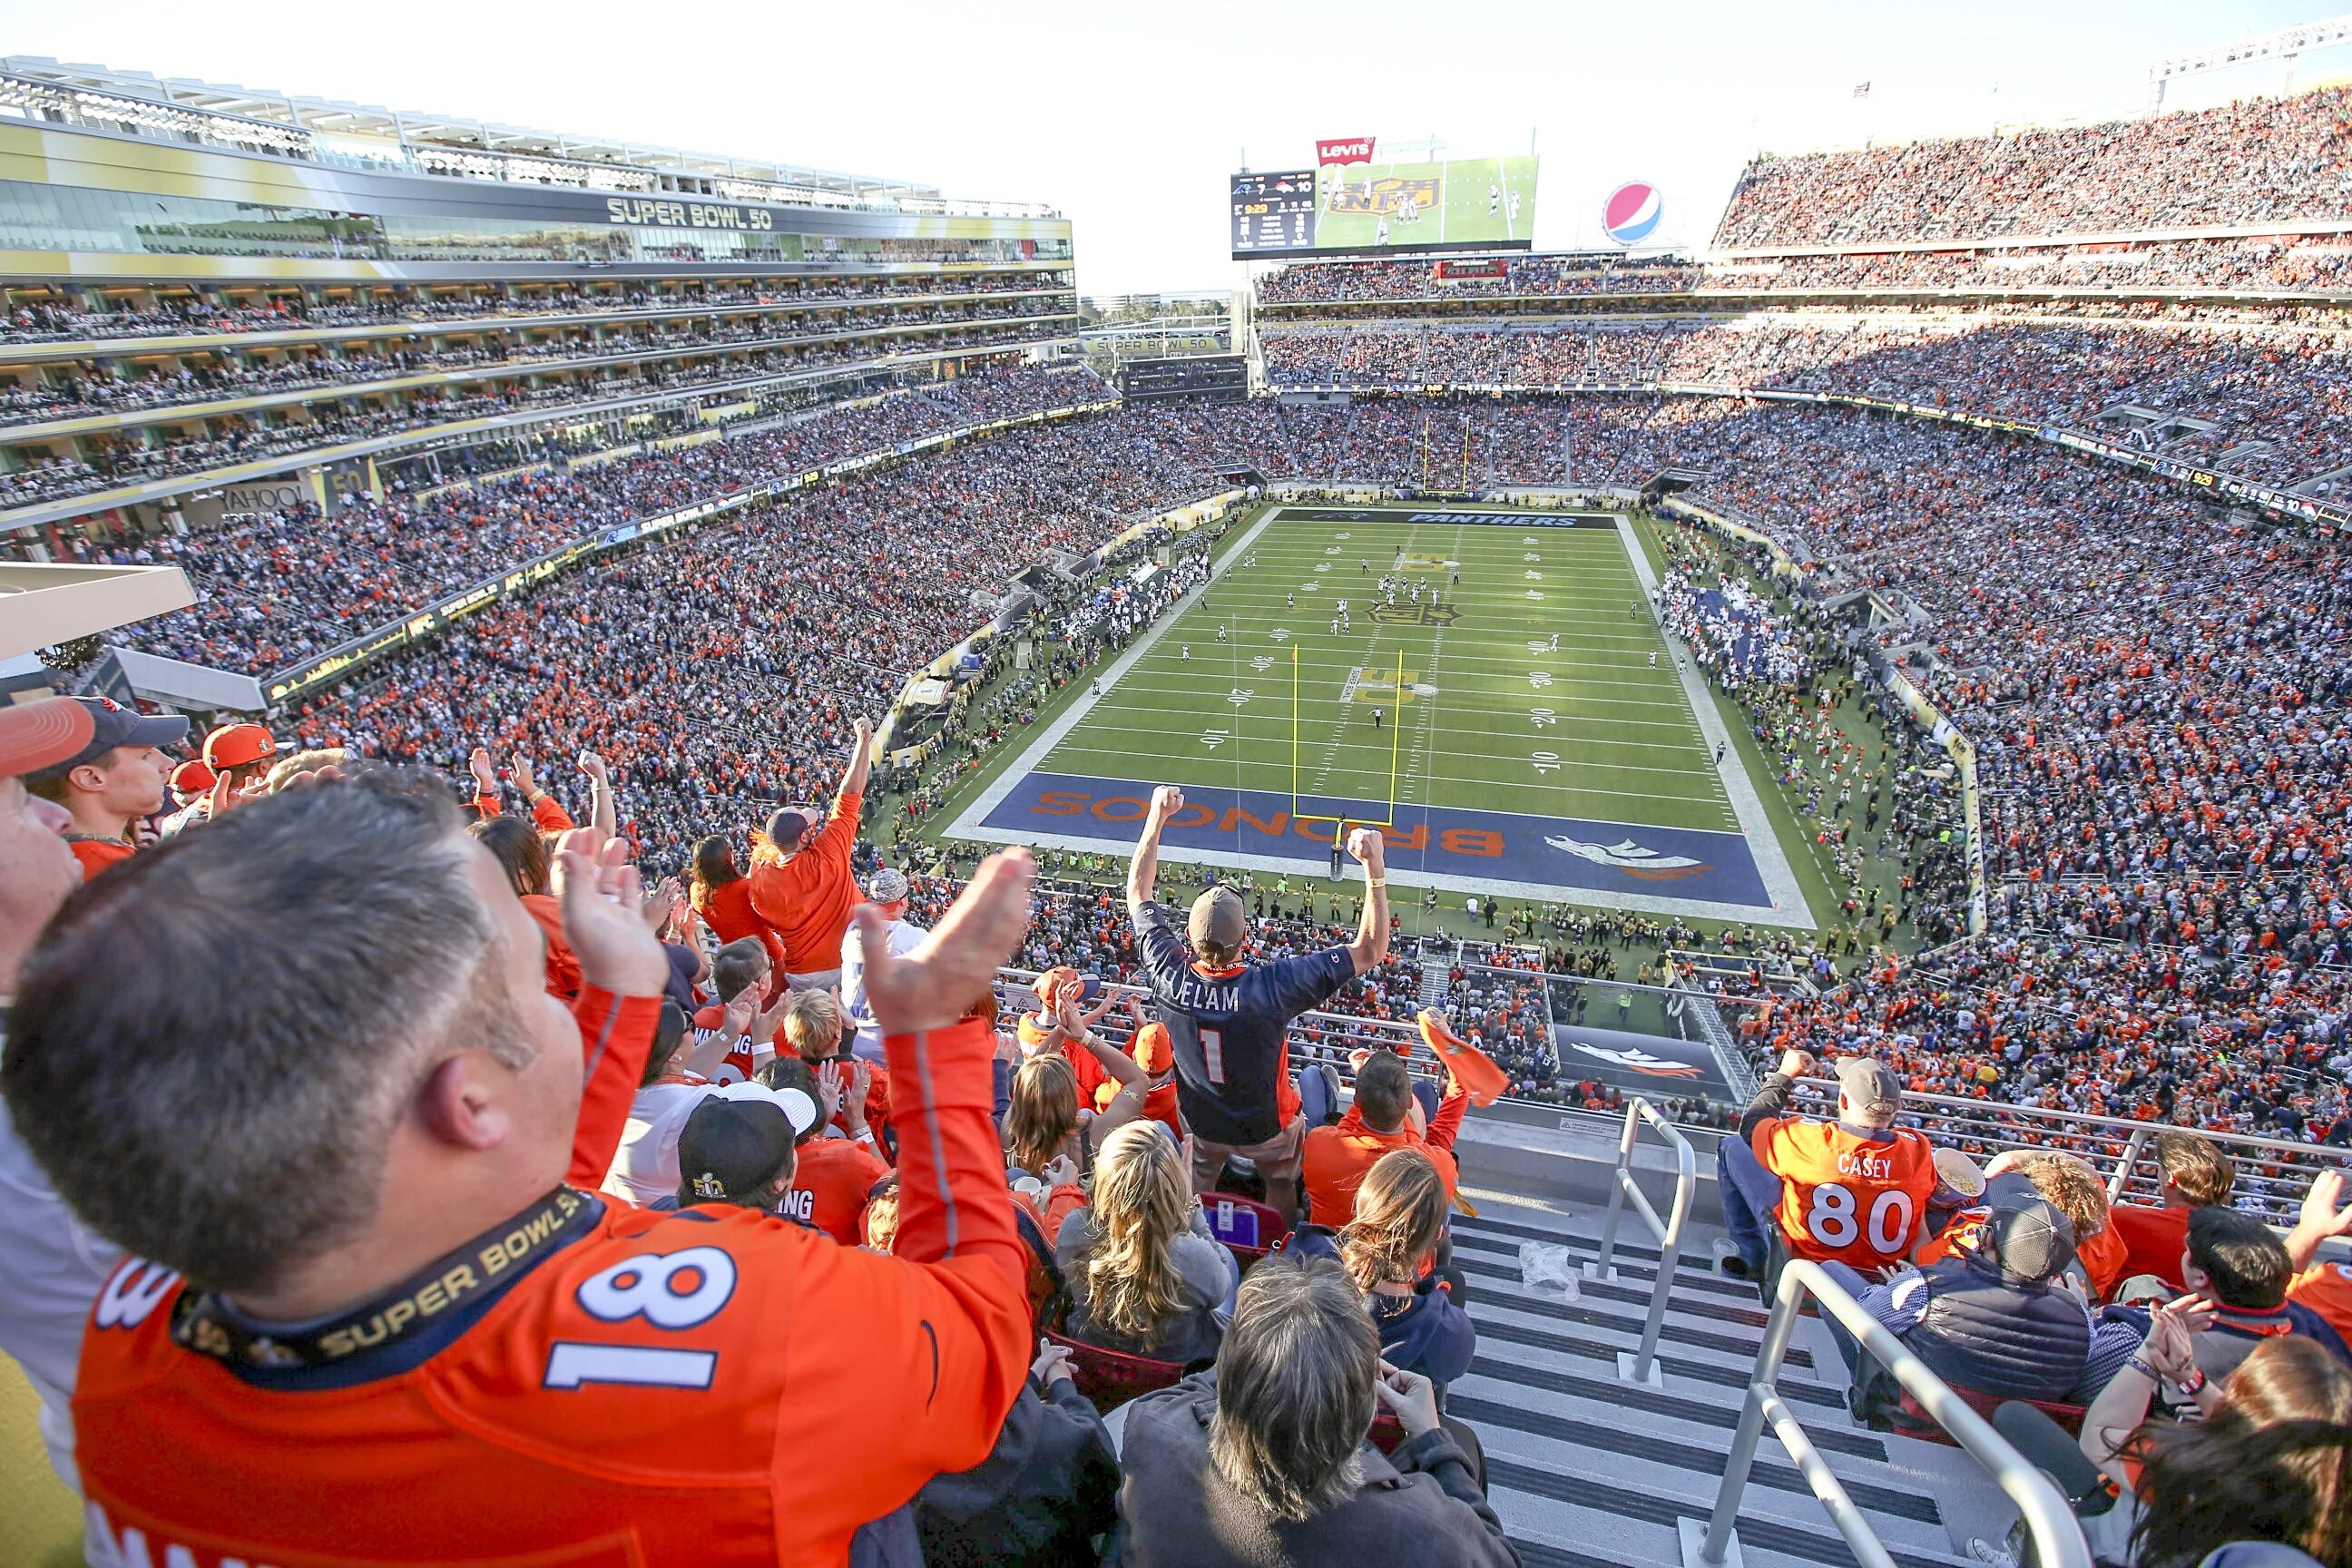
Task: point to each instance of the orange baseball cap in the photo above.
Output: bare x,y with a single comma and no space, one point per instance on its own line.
1154,1049
234,745
41,734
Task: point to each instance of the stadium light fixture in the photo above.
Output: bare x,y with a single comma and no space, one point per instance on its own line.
2286,44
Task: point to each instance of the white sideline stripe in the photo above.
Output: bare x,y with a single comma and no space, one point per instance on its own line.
968,823
1763,844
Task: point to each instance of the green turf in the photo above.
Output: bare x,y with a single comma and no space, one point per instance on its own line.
1460,215
1284,705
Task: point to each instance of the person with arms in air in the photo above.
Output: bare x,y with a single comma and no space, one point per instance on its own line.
801,882
1228,1020
521,1371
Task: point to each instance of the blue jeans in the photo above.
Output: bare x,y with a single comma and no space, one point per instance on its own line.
1750,1194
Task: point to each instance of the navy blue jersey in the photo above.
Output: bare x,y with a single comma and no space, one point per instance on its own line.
1230,1028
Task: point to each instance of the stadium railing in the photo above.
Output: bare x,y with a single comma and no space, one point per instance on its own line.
1642,1365
2117,1147
2057,1539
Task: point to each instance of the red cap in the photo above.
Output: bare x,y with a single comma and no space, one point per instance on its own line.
43,734
192,778
234,745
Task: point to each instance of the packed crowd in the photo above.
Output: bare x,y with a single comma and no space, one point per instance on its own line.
2253,161
51,319
149,454
216,373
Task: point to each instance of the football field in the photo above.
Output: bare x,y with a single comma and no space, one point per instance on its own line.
1519,728
1449,203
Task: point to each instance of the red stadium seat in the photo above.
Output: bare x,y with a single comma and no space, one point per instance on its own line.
1249,1229
1910,1418
2152,1239
1110,1378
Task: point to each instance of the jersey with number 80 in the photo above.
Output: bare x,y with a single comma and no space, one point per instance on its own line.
1845,1198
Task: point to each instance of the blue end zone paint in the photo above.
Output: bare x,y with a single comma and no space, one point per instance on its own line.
1566,853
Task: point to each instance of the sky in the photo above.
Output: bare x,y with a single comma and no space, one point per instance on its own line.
1128,116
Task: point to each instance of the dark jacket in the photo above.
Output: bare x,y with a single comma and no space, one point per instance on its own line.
1048,1487
1419,1508
1997,1335
1424,1332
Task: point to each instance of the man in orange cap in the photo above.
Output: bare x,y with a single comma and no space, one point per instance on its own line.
241,753
115,778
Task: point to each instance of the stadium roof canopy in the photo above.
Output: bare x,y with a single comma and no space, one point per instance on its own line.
335,131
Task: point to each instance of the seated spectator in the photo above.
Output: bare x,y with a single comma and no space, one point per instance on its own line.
115,778
736,1149
2070,1185
1855,1191
1993,1318
2271,1461
1048,1488
1380,1121
1390,1249
1145,1276
2192,1174
2239,1270
831,1178
1263,1460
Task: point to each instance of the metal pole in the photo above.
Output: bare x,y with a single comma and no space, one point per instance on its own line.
1617,1194
1670,1251
2122,1178
1742,1456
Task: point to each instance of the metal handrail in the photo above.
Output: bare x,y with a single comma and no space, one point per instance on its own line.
2056,1536
1642,1367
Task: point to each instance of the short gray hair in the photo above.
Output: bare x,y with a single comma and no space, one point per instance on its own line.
1294,1387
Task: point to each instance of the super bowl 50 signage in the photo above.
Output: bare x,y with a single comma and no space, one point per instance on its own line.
641,212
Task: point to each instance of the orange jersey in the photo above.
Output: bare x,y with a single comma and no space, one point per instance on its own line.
807,898
726,909
97,854
830,1180
1339,1156
2102,1257
2326,1290
584,1384
1845,1198
563,966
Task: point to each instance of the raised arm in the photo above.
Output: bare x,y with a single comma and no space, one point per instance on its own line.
1134,1083
603,809
1371,943
1144,870
861,762
2321,1218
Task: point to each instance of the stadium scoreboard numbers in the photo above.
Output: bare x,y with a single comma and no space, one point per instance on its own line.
1273,213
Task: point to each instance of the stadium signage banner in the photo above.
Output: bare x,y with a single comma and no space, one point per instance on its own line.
1452,516
641,212
1493,267
1345,149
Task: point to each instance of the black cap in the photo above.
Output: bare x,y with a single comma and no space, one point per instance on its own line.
112,725
739,1141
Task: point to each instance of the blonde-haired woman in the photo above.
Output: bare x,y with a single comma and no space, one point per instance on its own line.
1390,1250
1143,1272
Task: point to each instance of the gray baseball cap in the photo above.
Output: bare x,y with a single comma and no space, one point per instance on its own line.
887,886
1218,919
1870,1089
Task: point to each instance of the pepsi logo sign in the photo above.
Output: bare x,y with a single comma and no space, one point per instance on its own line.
1632,213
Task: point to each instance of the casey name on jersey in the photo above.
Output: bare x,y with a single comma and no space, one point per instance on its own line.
1865,1164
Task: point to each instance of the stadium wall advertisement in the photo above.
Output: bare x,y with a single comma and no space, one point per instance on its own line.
300,679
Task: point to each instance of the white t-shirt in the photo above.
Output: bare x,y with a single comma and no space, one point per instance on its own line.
855,1010
644,1167
55,1267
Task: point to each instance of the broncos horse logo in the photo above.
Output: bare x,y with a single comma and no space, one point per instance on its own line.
1630,858
1640,1062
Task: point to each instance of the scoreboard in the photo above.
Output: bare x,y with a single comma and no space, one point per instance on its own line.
1273,214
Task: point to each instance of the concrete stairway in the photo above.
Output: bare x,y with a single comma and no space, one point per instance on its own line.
1588,1470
